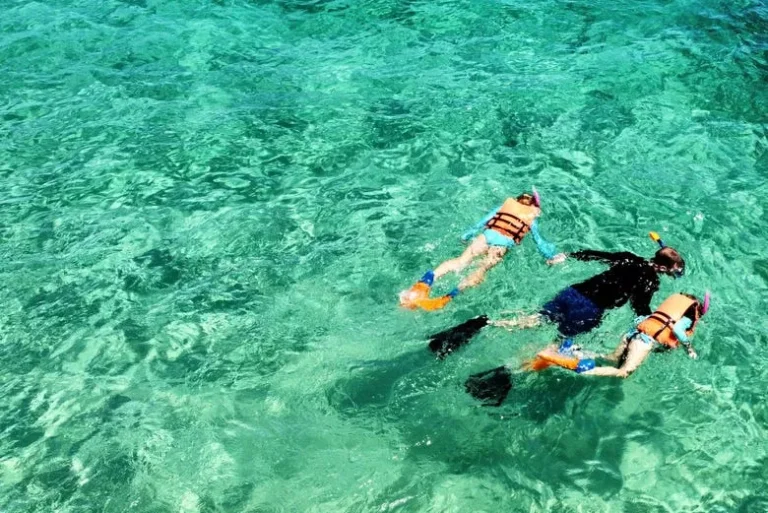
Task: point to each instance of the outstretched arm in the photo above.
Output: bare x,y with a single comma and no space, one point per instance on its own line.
547,249
479,226
587,255
641,299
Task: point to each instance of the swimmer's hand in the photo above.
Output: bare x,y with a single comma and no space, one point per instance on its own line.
690,350
557,259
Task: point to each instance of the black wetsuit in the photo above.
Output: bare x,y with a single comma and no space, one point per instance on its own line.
580,308
630,278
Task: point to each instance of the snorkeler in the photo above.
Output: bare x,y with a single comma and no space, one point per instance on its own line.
671,326
577,309
580,308
502,228
630,278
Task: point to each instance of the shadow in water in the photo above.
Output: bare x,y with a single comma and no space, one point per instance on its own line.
372,384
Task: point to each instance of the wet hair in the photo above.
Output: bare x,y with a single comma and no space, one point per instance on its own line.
526,199
691,296
699,306
669,258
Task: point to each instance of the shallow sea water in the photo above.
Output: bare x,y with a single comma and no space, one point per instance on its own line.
207,210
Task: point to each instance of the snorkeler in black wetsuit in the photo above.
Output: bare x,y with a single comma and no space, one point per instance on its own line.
579,308
576,309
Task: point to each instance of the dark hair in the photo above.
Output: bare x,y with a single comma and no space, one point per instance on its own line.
698,306
669,258
526,199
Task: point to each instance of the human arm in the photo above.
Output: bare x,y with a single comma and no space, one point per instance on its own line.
587,255
547,249
679,329
479,226
644,291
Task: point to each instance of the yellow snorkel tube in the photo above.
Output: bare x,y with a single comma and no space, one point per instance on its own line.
657,239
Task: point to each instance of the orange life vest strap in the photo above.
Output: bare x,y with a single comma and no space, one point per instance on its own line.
508,220
666,322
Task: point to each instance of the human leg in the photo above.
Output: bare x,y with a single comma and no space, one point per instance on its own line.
493,256
637,351
477,247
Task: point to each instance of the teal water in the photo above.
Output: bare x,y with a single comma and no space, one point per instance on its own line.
207,210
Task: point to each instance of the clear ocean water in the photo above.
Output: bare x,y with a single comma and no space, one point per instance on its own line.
207,210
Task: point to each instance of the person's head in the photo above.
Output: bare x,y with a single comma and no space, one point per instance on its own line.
668,261
526,199
695,311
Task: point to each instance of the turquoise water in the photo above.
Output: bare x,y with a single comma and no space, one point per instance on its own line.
207,210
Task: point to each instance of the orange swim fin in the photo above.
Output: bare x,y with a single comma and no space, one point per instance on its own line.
552,356
410,298
418,295
537,364
430,304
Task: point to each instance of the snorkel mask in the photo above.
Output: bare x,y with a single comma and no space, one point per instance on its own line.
536,197
705,306
676,273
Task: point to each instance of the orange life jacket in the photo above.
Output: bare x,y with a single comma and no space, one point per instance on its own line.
659,324
514,219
